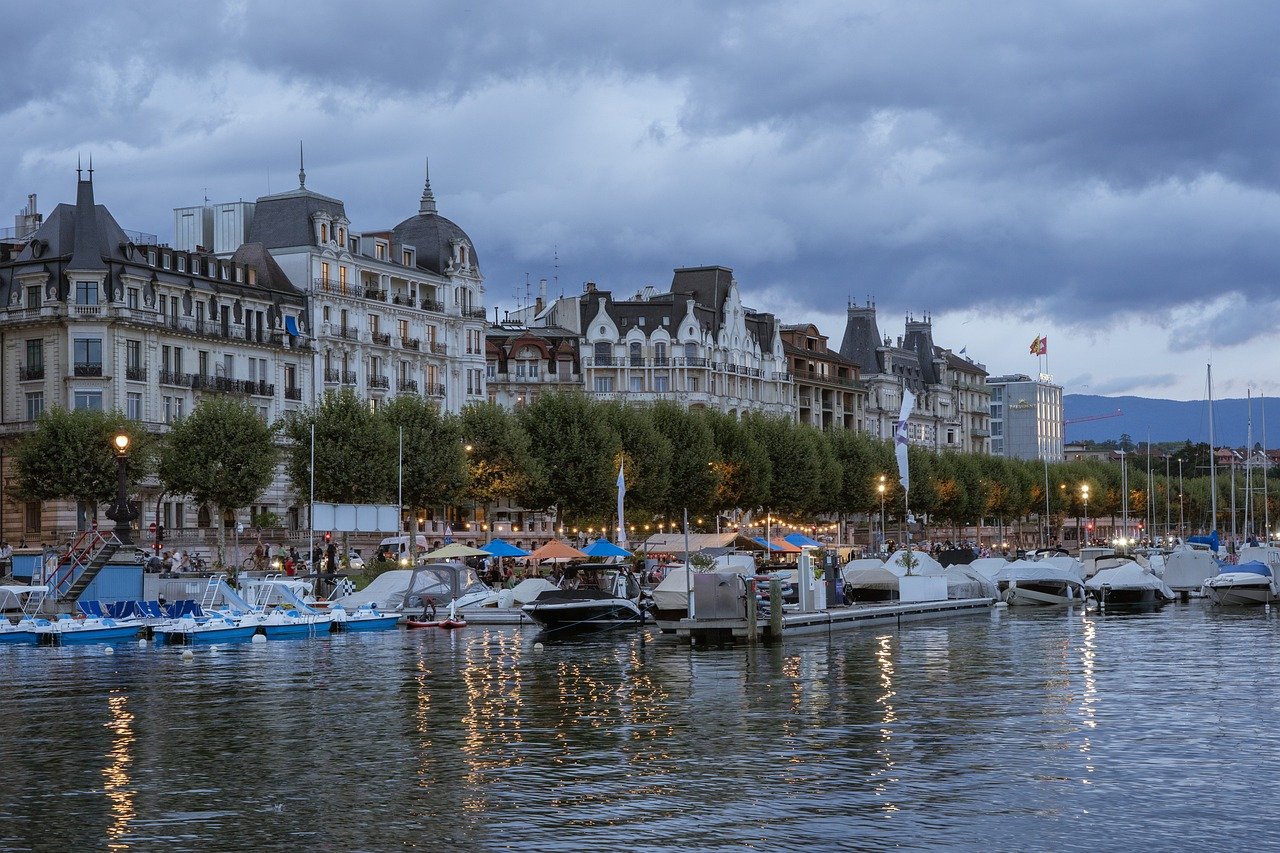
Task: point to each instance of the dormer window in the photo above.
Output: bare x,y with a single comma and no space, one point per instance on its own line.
253,275
239,273
342,236
182,263
380,250
324,232
164,260
407,260
151,257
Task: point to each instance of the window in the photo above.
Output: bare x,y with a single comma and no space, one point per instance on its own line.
690,350
659,354
404,330
35,355
324,312
635,351
604,384
168,410
229,366
290,376
324,272
380,251
693,384
133,406
662,383
88,351
35,405
133,354
637,383
86,293
91,400
202,362
182,264
179,404
31,516
407,258
131,297
342,278
603,353
342,234
324,232
373,324
199,314
33,297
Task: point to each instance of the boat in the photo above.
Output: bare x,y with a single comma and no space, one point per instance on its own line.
870,582
449,622
366,617
1122,581
1248,583
205,631
1186,569
607,599
290,617
30,629
405,591
67,631
1038,583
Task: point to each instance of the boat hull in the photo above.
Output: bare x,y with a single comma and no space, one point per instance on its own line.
376,623
19,638
87,636
1040,594
294,632
1125,597
594,615
207,637
1240,595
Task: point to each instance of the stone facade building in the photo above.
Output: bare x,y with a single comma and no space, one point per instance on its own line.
828,393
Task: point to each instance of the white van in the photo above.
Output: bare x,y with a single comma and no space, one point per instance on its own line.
399,546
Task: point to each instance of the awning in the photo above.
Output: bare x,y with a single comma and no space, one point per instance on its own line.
802,541
557,551
291,326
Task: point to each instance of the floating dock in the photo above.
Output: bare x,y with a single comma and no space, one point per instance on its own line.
701,632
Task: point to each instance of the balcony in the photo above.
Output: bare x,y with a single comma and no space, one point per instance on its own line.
434,390
399,299
411,343
331,375
379,383
26,374
88,368
433,305
438,348
662,361
260,388
475,313
407,385
636,361
169,377
348,377
375,294
689,361
351,333
382,338
603,361
293,393
135,373
86,310
328,285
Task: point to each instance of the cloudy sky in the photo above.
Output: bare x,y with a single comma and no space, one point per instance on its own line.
1102,173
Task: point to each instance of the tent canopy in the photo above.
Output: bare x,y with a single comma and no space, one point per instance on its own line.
557,550
778,546
605,548
673,543
502,548
456,550
802,541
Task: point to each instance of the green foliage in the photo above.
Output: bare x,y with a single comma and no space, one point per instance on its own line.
355,451
858,477
265,519
701,562
574,447
744,468
434,459
499,463
70,456
694,478
647,456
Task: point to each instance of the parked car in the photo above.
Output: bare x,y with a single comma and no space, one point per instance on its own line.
355,560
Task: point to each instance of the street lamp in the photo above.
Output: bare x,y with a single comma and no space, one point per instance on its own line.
120,512
1084,493
880,488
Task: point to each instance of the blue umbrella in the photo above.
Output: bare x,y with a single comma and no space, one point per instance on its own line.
605,548
499,548
802,541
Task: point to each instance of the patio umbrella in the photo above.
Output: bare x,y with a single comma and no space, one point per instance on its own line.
501,548
557,551
455,550
802,541
605,548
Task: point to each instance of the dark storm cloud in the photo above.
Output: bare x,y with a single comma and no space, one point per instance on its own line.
1084,159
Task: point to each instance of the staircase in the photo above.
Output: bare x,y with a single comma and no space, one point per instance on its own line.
80,565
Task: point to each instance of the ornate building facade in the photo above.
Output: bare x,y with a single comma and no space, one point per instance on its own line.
828,393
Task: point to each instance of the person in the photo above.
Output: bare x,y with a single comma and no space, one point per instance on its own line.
555,576
331,558
288,565
185,564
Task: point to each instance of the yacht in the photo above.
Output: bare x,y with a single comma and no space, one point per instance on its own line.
1186,570
1038,583
1246,583
1121,581
589,607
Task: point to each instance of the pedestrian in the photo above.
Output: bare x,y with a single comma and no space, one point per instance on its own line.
331,558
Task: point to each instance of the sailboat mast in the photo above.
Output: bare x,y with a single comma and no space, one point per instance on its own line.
1248,464
1266,463
1213,459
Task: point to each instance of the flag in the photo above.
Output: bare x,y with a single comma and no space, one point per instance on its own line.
622,491
1040,346
1044,346
900,438
963,350
1035,346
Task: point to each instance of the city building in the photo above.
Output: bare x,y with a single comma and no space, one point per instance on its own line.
827,392
524,362
397,311
1026,417
96,317
950,391
695,343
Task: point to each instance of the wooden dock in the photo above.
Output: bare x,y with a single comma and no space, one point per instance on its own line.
701,632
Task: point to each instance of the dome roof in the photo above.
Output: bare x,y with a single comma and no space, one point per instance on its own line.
433,236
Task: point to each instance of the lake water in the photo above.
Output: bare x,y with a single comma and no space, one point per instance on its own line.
1042,730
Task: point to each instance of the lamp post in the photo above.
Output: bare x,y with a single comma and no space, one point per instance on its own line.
1084,493
120,512
1182,530
880,488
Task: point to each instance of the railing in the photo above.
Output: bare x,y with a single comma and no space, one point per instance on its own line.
293,393
260,388
397,299
411,343
88,368
383,338
348,377
88,545
349,332
26,374
169,377
434,390
230,331
662,361
814,376
135,373
86,310
328,285
331,375
689,361
433,305
476,313
438,348
636,361
375,293
407,385
603,361
379,382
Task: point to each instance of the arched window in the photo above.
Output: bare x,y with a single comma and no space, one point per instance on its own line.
637,357
603,353
324,232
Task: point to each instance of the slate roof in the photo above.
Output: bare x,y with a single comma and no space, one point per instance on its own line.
862,341
284,220
431,234
709,286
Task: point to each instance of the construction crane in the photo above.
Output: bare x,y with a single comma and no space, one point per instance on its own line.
1117,413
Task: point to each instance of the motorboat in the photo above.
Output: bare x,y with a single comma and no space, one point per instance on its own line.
1187,569
614,603
406,591
1122,581
988,566
67,631
280,611
366,617
871,582
1038,583
30,628
204,631
1247,583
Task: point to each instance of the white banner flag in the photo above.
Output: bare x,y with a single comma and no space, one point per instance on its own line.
622,491
900,438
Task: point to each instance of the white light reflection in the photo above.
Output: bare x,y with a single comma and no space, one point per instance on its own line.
116,774
883,776
1088,711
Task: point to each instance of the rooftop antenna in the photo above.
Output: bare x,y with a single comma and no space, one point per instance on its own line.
79,177
302,169
206,196
556,254
90,167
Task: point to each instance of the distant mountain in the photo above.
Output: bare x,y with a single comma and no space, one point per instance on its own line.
1168,420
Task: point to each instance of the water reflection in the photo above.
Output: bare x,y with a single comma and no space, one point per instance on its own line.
883,776
116,774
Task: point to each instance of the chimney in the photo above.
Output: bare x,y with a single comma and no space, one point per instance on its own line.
28,221
589,287
542,296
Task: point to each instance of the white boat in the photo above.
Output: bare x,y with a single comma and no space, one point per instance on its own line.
1248,583
988,566
590,607
66,631
1187,569
406,591
30,628
366,617
290,616
1038,583
1120,581
211,629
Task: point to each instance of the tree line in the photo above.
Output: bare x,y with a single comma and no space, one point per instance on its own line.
562,453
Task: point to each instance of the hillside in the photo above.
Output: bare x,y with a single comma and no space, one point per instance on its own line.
1169,420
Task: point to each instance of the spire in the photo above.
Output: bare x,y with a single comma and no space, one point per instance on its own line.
86,252
90,167
428,204
302,169
79,177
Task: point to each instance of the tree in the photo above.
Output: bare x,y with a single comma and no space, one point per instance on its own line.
222,454
499,464
647,456
70,456
742,464
693,454
434,462
575,448
355,451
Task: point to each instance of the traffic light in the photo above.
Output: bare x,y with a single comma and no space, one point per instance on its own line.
1089,527
328,536
160,533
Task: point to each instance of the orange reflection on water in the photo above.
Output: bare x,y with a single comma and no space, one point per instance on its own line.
116,774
